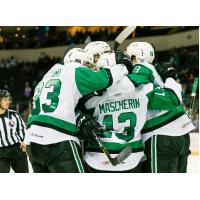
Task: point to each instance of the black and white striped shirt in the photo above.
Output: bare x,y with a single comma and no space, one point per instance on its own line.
12,128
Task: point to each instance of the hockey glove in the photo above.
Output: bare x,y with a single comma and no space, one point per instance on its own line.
122,58
86,123
166,70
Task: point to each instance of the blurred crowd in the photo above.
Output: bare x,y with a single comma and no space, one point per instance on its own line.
47,36
20,78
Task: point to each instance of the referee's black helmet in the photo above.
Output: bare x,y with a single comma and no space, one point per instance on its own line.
4,93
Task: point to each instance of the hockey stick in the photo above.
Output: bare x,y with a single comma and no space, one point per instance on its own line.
193,95
119,158
127,150
122,36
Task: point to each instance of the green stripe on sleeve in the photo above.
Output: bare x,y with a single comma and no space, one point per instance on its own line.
89,81
52,121
116,146
141,75
161,120
162,99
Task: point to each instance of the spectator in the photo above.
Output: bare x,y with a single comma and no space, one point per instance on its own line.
33,71
27,91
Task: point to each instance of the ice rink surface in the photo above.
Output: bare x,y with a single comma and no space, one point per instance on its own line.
193,162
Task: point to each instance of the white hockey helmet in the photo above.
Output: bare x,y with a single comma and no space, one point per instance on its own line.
78,55
97,48
143,52
106,60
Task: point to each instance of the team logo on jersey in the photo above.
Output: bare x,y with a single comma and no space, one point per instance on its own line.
11,123
106,163
186,124
37,135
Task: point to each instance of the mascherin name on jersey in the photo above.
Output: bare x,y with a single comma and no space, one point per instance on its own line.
119,105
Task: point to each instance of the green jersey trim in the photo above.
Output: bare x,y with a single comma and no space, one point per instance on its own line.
98,150
154,154
76,157
88,81
115,147
158,102
161,121
51,122
172,91
144,76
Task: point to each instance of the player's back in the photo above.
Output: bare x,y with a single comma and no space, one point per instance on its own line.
57,93
55,98
144,73
122,110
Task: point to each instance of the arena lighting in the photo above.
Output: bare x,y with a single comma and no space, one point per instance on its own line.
18,28
16,34
1,39
23,36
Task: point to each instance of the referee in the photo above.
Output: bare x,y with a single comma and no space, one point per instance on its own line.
12,132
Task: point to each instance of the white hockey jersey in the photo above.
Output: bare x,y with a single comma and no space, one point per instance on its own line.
55,97
122,110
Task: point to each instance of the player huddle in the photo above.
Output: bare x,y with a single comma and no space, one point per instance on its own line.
119,96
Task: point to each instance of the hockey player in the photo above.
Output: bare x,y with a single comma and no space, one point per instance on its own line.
52,133
122,110
79,55
97,48
142,55
166,133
